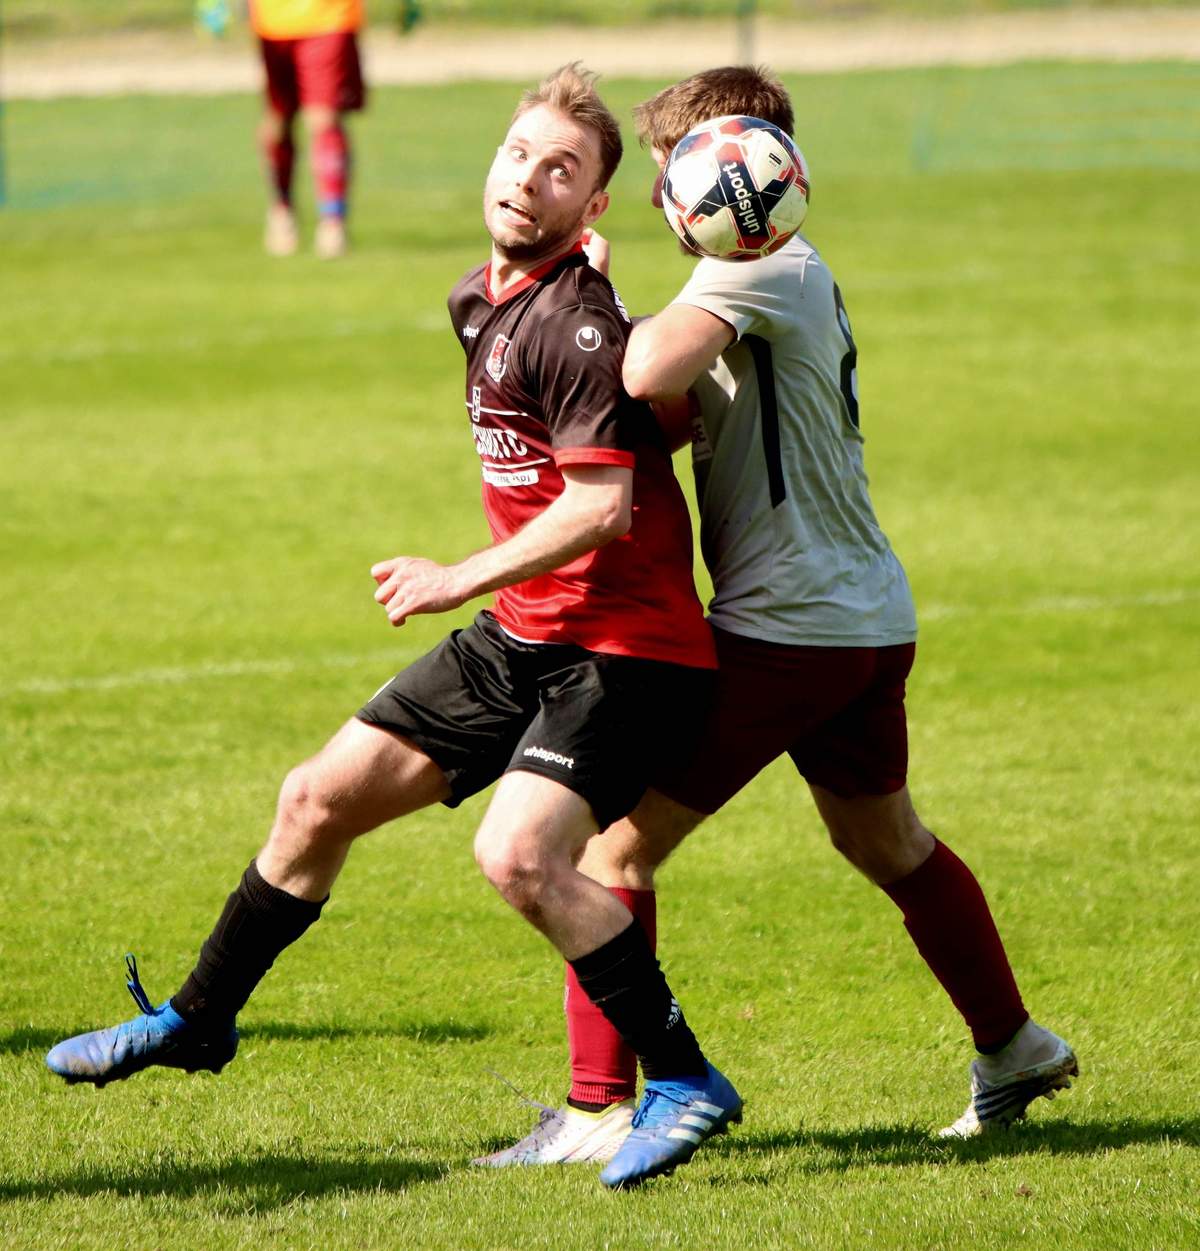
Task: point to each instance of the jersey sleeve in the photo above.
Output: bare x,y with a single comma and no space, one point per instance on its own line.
574,369
748,295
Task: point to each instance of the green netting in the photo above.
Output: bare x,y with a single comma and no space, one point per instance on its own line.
1083,117
151,152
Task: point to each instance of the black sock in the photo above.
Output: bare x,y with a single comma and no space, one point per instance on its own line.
623,979
258,922
995,1048
583,1105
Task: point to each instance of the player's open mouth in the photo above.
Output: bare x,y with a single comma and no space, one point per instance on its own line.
515,210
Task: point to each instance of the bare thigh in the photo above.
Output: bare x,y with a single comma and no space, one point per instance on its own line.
361,779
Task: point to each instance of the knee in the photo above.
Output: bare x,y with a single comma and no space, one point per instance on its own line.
518,871
883,849
319,118
307,811
274,128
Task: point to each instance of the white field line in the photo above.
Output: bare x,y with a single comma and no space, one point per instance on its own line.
396,658
427,322
1051,605
173,675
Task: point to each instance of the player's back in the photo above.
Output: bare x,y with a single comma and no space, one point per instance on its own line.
787,526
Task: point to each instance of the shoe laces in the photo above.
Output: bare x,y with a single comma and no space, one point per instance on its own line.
133,982
656,1107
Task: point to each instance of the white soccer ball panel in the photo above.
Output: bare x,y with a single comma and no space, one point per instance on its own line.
766,158
717,234
788,215
693,176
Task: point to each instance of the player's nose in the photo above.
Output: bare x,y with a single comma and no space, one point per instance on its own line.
656,192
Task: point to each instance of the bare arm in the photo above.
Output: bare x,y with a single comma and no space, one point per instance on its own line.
669,351
594,508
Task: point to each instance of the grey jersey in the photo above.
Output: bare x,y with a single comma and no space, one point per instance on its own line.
786,524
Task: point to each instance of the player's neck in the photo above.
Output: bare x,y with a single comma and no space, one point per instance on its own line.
504,273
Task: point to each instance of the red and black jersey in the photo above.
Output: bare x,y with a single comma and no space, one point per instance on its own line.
543,391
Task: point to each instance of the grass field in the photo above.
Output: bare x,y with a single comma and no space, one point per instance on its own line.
204,451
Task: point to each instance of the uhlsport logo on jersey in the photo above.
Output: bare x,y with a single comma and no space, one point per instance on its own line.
588,338
550,757
497,361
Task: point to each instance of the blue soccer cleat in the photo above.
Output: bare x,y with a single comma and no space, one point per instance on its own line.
671,1122
157,1036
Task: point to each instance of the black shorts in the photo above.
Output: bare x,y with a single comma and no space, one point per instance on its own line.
482,704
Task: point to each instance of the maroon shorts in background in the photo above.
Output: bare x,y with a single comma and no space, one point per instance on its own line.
837,711
321,69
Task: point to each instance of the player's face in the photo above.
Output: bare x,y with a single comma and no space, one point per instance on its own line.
543,188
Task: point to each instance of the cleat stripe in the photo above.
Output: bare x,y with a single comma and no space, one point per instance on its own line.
689,1134
698,1122
709,1109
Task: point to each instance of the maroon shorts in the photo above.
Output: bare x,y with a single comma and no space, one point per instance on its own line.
837,711
322,69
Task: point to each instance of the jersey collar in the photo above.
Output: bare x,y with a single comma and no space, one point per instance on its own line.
530,278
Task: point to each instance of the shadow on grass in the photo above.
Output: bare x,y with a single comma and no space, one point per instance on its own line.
33,1038
837,1150
261,1183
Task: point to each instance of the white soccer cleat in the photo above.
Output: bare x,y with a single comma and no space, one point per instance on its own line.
1036,1063
567,1136
281,236
331,242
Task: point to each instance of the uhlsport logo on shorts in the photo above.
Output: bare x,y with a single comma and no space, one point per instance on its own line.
551,757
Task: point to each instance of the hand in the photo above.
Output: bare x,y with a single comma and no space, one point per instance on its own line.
596,248
409,585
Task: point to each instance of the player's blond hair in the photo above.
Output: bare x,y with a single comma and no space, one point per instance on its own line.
741,90
572,90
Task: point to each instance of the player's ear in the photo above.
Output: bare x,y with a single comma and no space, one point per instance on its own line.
596,207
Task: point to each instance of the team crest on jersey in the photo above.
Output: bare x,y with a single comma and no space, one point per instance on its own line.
497,361
587,338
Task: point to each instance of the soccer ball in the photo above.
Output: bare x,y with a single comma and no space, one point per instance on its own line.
735,188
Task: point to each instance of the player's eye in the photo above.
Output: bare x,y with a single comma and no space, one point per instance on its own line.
517,154
562,172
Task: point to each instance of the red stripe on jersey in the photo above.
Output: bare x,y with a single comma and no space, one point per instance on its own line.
525,283
594,456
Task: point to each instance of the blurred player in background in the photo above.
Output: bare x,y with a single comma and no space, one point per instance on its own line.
815,631
310,55
595,659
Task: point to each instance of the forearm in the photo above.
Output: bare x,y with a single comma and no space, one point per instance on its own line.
566,530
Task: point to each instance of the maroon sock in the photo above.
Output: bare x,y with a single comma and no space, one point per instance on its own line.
331,168
948,918
281,158
603,1068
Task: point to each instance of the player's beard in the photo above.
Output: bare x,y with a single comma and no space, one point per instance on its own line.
550,243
